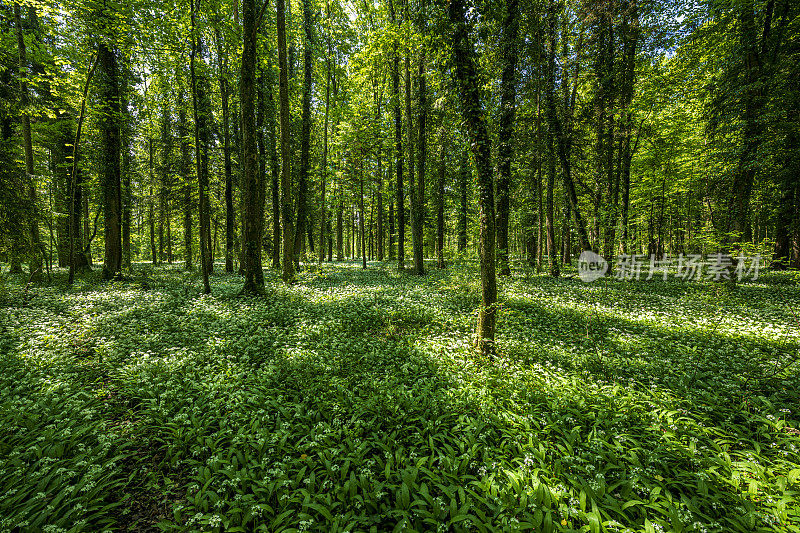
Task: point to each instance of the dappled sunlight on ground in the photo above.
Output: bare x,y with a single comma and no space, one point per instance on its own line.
354,399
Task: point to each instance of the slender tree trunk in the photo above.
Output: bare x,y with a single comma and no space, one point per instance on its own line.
474,116
419,219
380,182
286,156
274,167
440,200
464,175
201,106
77,257
362,242
552,259
505,134
339,232
127,192
399,154
36,245
305,135
185,173
224,90
556,128
324,214
391,226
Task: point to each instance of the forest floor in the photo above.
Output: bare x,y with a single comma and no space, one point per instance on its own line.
352,401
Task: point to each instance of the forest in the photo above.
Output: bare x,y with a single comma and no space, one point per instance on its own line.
400,265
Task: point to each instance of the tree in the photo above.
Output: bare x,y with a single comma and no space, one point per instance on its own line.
110,158
464,59
305,134
286,158
252,183
505,134
201,105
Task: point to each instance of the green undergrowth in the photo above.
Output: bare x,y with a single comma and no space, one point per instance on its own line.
352,401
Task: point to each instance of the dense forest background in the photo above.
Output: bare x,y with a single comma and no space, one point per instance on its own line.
164,132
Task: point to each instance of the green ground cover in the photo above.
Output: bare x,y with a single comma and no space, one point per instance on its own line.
352,401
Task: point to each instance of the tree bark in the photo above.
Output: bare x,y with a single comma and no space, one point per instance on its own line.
286,156
251,180
323,207
440,200
305,134
185,173
230,216
36,245
505,134
399,154
474,116
202,127
110,164
464,176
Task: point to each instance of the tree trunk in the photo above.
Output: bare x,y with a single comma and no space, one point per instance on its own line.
224,89
127,170
110,154
399,154
464,176
324,214
339,232
505,134
563,138
379,236
474,116
286,155
418,220
440,201
36,245
251,179
362,241
305,134
274,168
185,173
552,259
202,109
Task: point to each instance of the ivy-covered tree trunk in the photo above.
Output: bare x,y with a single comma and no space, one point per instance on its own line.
251,181
475,118
286,154
108,89
505,133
